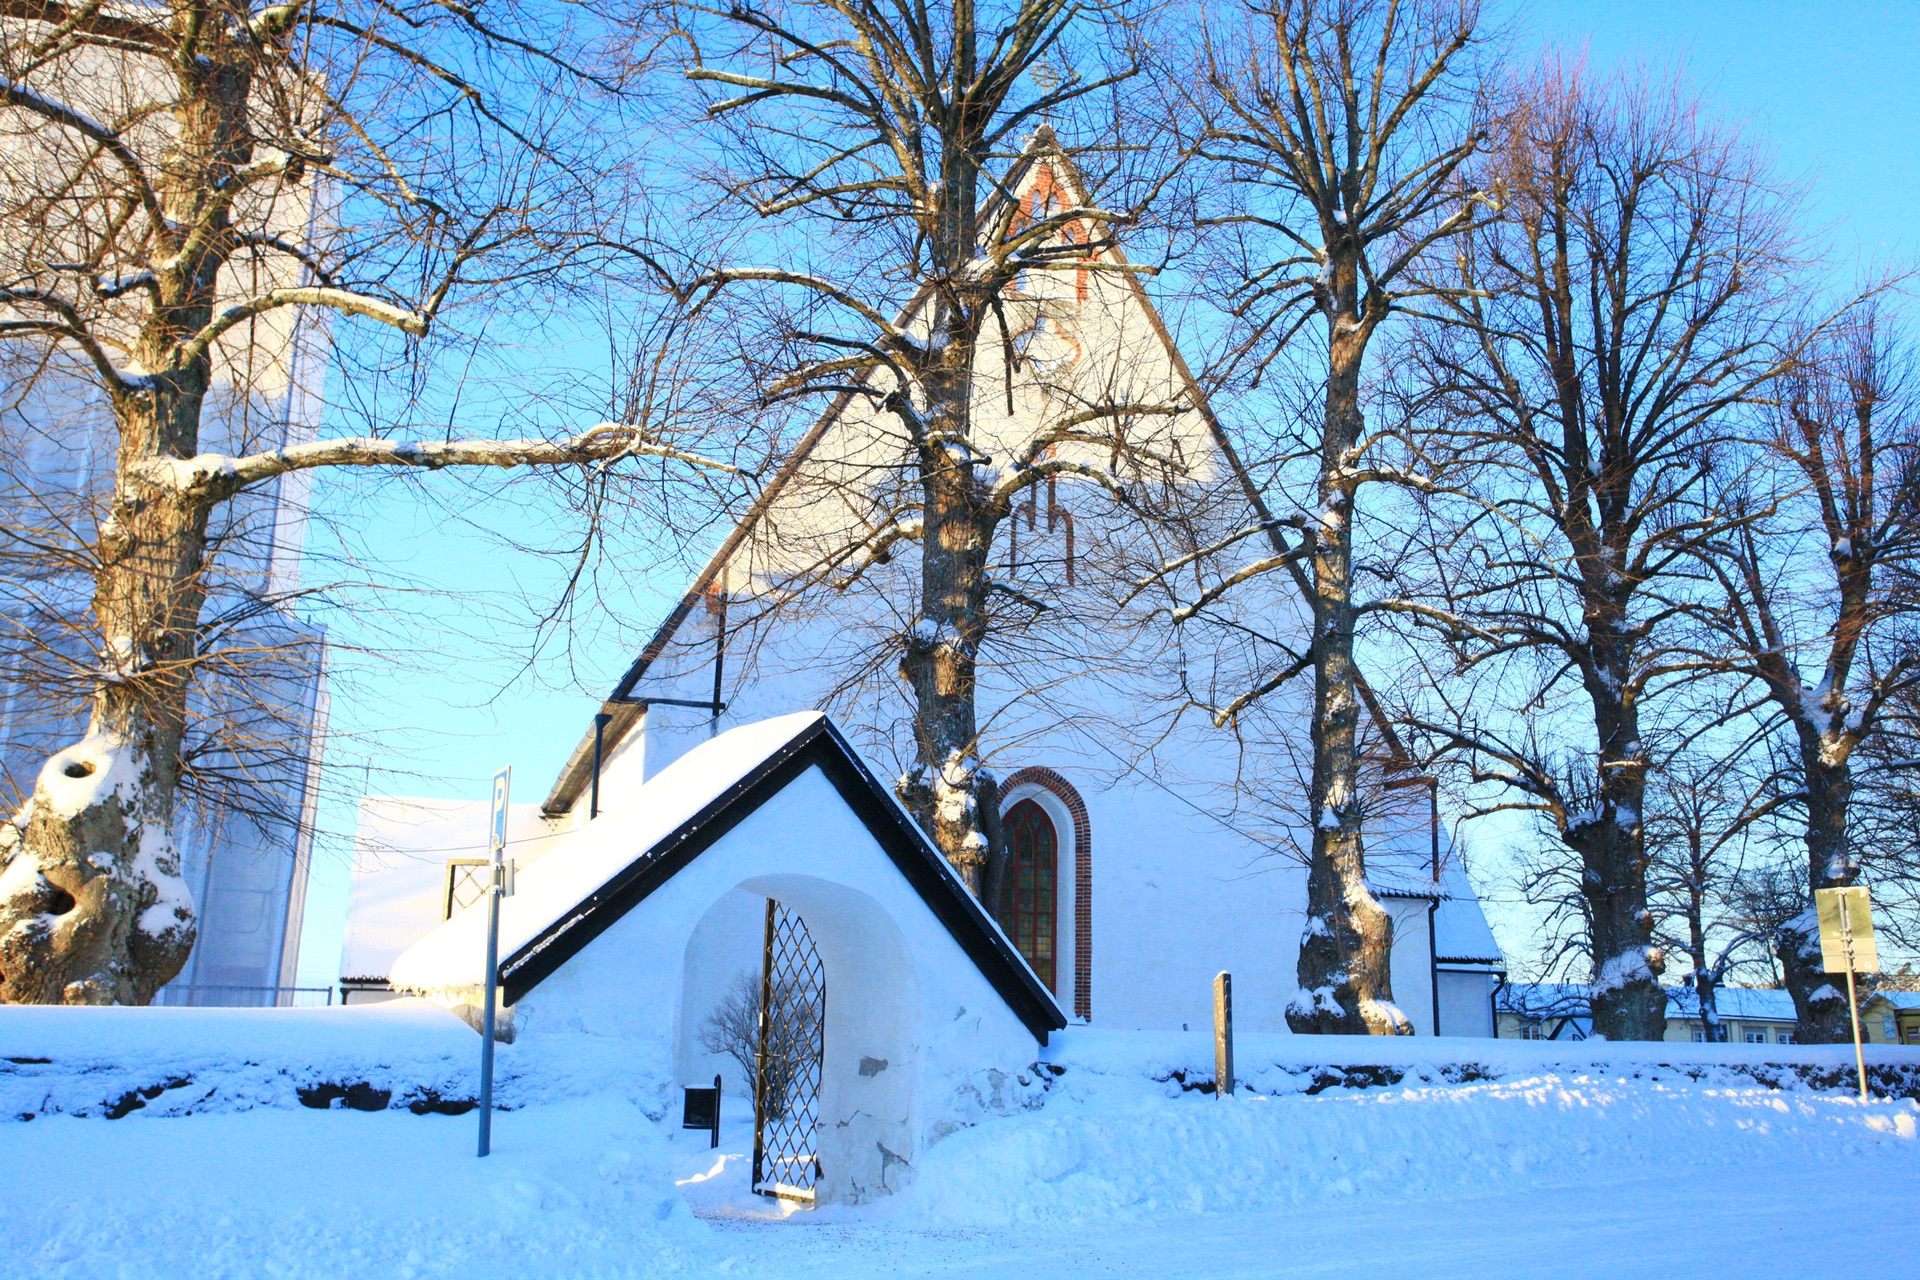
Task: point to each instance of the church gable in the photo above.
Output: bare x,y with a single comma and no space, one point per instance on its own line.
1065,341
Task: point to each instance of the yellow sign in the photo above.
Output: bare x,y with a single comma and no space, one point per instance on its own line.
1846,930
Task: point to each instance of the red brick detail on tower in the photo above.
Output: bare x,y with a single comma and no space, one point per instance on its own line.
1049,781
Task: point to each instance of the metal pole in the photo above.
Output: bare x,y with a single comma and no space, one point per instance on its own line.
496,843
1853,1003
600,722
486,1015
1223,1035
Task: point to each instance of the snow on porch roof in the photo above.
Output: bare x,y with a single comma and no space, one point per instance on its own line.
568,898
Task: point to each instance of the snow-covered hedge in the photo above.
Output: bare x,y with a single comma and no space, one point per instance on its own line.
413,1055
1285,1064
403,1054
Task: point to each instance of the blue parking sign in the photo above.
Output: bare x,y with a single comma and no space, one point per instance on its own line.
502,784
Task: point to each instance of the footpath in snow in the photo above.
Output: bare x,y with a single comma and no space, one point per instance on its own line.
1568,1161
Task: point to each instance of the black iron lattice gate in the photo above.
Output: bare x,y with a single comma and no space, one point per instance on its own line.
793,1035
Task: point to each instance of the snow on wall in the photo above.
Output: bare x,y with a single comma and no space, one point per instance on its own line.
401,1055
411,1054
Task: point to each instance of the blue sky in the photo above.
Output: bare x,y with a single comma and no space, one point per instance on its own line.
1830,88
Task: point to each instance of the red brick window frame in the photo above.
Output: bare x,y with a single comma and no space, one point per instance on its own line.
1063,791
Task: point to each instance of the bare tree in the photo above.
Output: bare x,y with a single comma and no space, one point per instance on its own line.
1602,331
177,176
1338,133
886,146
1817,572
1703,808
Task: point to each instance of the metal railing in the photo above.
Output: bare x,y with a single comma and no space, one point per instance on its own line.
215,995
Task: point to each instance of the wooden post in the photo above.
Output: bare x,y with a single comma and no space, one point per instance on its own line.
1223,1034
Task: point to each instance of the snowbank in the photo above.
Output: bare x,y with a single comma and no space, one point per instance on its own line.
407,1054
575,1189
1460,1159
1113,1142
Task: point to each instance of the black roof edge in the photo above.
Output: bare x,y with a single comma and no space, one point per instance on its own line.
822,745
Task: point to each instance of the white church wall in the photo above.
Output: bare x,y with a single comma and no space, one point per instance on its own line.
1411,968
911,1023
1181,886
1176,899
1466,1002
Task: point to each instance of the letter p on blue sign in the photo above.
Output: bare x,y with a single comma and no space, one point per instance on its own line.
497,827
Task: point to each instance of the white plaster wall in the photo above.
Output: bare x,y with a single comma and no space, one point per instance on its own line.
899,988
1412,966
1177,897
1466,1003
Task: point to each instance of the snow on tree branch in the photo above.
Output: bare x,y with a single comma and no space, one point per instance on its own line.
215,476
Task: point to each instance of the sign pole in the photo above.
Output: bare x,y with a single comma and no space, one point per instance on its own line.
1847,943
1853,1001
496,883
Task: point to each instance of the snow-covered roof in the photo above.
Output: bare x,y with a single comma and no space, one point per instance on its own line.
1745,1004
1898,999
1461,933
1546,1000
604,869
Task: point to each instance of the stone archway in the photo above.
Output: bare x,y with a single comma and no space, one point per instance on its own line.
870,1069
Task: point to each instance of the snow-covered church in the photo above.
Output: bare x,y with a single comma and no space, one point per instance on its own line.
729,807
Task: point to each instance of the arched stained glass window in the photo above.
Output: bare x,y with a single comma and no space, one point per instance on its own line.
1029,896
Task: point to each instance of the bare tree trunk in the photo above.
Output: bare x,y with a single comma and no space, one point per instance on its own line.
1346,950
1327,126
899,171
941,651
159,201
1628,1003
1629,229
1819,1002
98,911
97,839
1845,425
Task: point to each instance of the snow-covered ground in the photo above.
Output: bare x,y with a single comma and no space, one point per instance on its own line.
1563,1169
